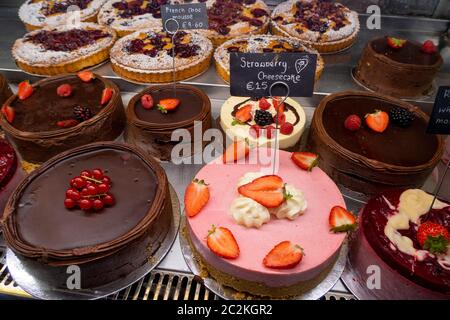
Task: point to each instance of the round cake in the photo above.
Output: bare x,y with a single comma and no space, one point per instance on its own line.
302,218
406,71
260,128
107,233
5,90
399,234
367,161
152,122
60,113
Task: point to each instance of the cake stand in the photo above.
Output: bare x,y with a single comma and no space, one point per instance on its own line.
21,269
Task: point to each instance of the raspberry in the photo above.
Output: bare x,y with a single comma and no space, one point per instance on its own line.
352,123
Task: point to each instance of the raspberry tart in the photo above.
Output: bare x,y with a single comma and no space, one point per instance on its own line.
60,113
146,56
324,25
63,49
255,120
104,207
259,44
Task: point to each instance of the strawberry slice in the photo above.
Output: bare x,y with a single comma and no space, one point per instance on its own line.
86,76
9,113
67,123
237,150
276,104
395,43
222,242
284,255
264,104
244,113
341,220
267,191
25,90
433,237
196,197
378,121
106,95
305,160
168,104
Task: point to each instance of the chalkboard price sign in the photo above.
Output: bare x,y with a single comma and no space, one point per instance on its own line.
252,74
188,16
440,116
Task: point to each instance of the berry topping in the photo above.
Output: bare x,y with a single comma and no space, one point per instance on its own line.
82,113
286,128
147,101
433,237
401,116
109,200
255,131
85,204
429,47
267,191
284,255
86,76
196,197
281,118
69,203
352,123
264,104
237,150
378,121
64,90
341,220
222,242
305,160
97,204
169,104
270,132
276,104
25,90
395,43
244,114
106,95
97,174
9,113
67,123
263,118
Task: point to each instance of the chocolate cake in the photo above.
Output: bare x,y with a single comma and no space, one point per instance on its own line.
107,243
5,90
152,128
403,72
367,161
46,123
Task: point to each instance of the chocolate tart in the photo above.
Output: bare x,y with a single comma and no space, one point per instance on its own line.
5,90
106,245
35,131
402,72
152,130
366,161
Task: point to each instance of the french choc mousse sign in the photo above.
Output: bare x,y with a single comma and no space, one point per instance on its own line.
188,16
252,74
440,116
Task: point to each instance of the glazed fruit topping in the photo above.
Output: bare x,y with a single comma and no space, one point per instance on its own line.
61,6
25,90
89,191
196,197
395,43
429,47
221,241
305,160
64,90
284,255
147,101
263,118
169,104
237,150
433,237
86,75
82,113
352,123
341,220
67,123
129,9
401,116
66,40
244,114
106,95
267,191
378,121
9,113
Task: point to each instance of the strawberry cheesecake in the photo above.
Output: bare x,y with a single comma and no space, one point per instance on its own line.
297,229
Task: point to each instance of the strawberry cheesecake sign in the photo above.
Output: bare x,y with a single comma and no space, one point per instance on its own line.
252,74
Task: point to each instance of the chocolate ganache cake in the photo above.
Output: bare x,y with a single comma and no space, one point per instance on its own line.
5,90
60,113
155,113
104,207
353,153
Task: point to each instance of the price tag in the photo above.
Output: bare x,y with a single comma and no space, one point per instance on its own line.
188,16
252,74
440,116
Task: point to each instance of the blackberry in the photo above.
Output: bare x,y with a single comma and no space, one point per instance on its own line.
82,113
263,118
401,116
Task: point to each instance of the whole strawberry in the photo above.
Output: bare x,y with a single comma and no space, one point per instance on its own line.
429,47
433,237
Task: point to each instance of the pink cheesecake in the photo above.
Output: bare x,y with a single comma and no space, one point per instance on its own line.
310,228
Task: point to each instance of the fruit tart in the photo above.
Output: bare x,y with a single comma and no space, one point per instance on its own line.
324,25
37,14
59,113
146,56
63,49
259,44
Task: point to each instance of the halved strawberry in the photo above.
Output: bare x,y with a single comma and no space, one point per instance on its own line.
341,220
67,123
25,90
196,197
276,104
433,237
168,104
86,76
395,43
106,95
264,104
266,190
9,113
222,242
378,121
284,255
305,160
244,113
237,150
